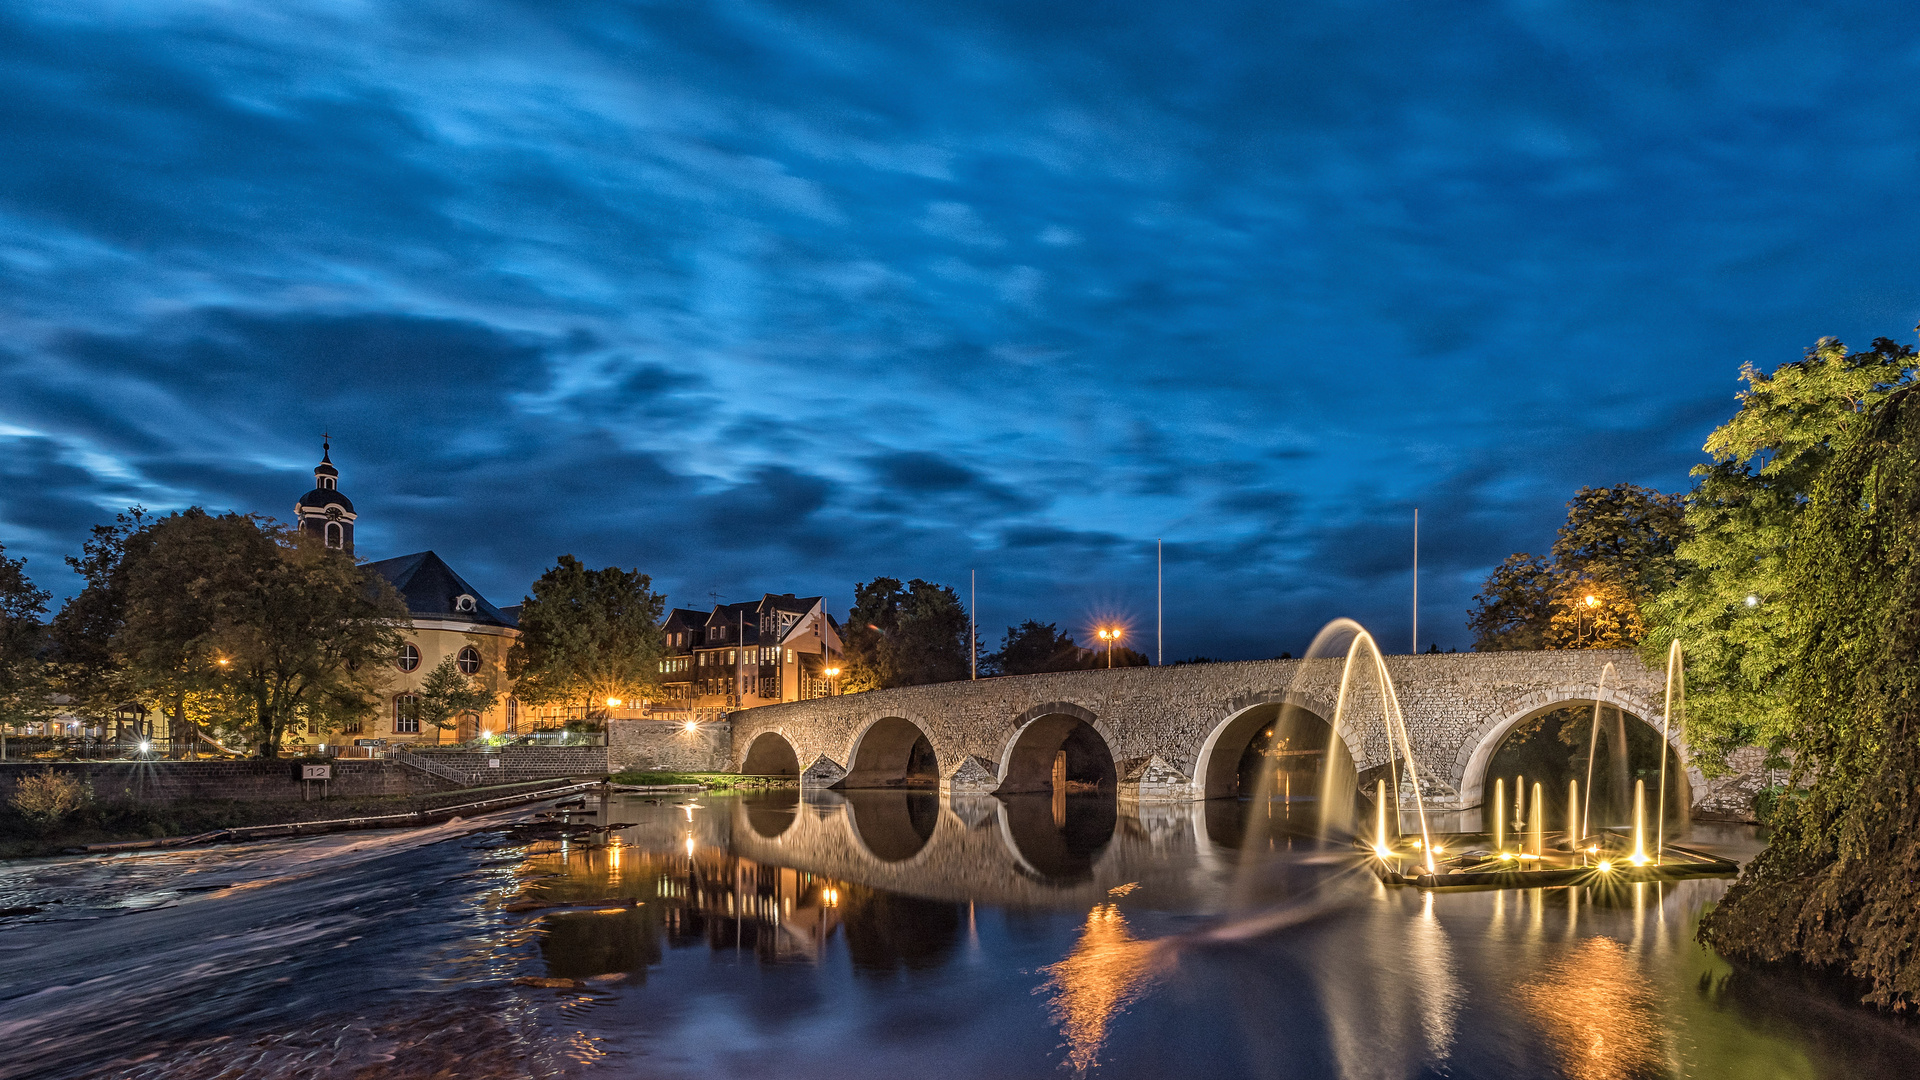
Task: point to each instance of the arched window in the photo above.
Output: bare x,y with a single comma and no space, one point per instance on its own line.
468,661
409,657
513,714
406,714
336,536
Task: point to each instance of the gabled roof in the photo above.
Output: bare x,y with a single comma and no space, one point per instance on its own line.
679,617
430,587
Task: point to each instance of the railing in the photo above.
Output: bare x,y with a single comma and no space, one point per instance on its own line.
427,765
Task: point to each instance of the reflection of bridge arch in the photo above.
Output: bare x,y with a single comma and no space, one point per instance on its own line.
771,754
1477,753
1048,736
891,752
892,826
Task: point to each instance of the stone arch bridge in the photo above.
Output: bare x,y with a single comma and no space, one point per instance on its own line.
1166,734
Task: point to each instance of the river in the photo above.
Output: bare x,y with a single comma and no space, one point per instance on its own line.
882,934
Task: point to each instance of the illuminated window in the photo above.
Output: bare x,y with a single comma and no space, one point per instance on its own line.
468,661
513,714
409,657
406,715
730,657
789,656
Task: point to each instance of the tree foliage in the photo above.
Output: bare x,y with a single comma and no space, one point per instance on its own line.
1615,551
47,796
904,635
447,692
23,687
1034,647
1837,886
1730,605
587,636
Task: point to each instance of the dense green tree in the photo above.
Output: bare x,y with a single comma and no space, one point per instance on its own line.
1514,609
256,614
447,692
1613,553
587,636
904,635
1034,647
1836,889
23,683
1729,607
85,629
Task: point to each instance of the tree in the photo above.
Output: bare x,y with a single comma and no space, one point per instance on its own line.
904,635
1729,607
1034,647
1514,609
23,686
259,614
1614,552
1836,889
447,692
588,636
84,630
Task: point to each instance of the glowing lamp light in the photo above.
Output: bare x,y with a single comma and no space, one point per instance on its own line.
145,746
692,725
1593,601
833,672
1606,867
689,846
613,703
1753,601
222,661
1383,851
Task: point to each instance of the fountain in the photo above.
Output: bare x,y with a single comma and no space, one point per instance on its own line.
1499,816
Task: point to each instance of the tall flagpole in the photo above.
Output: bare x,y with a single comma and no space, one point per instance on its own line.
1160,602
973,632
1416,581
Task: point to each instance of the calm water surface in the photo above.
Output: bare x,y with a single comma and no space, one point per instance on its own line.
879,934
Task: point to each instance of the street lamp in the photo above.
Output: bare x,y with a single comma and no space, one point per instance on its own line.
833,674
1110,635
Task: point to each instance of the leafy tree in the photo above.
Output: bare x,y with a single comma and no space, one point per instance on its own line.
1613,553
1836,889
904,635
23,687
1514,609
1034,647
447,692
587,636
1730,606
258,614
84,630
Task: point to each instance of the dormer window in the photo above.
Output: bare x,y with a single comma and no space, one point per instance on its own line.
463,602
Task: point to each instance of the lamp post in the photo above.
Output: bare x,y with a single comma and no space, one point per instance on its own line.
1579,620
1110,635
833,676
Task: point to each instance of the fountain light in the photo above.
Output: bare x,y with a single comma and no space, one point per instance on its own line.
1506,855
1438,850
1606,867
1383,851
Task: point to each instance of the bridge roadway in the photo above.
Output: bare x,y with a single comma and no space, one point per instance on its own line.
1177,734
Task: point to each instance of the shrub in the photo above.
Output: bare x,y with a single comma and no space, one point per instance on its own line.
48,796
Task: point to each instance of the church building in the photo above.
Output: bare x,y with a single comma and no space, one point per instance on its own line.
451,621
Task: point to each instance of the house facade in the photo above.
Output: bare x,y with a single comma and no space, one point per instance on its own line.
757,652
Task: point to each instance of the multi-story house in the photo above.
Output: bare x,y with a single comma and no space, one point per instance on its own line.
757,652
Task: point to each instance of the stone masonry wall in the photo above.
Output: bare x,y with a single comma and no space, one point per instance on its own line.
1457,706
511,764
247,780
668,745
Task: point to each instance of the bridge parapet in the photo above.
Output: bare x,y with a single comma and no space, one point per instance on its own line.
1165,728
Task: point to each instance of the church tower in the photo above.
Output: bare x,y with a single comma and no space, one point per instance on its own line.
324,513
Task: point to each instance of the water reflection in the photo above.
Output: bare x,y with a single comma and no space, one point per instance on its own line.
1599,1012
893,825
1059,837
773,814
1108,970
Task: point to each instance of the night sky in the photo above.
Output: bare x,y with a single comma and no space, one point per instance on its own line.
777,297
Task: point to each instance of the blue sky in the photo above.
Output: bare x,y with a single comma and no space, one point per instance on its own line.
780,297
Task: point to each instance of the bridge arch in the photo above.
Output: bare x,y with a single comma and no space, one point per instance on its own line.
1058,732
891,752
1479,749
771,754
1216,767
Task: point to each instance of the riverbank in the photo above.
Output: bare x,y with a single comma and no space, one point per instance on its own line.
120,821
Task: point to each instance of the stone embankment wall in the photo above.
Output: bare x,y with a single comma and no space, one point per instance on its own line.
1162,724
510,764
668,745
246,780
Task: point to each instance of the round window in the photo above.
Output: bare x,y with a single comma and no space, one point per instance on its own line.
409,657
468,661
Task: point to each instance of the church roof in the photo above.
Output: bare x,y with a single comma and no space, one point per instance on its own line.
324,497
430,587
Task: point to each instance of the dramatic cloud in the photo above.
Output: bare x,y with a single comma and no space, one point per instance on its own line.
781,296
